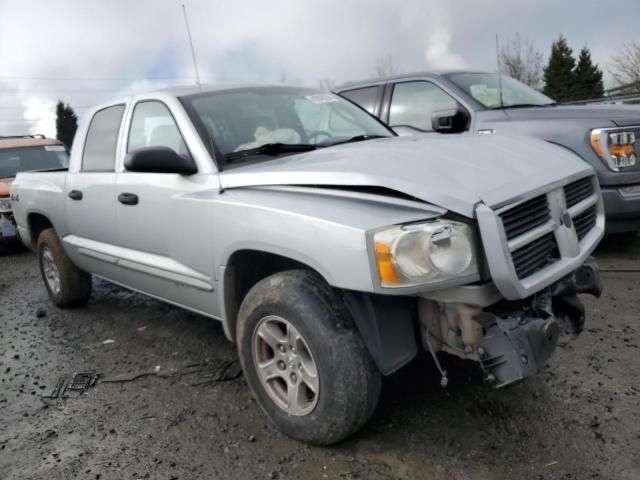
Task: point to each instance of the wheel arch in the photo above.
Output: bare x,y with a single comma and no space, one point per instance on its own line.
385,322
36,223
244,268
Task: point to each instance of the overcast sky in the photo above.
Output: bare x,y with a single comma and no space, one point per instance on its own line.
87,51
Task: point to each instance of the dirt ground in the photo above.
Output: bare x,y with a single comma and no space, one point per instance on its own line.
579,419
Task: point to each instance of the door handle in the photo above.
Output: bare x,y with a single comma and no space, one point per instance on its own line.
128,198
75,195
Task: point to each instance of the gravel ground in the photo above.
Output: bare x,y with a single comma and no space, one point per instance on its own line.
578,419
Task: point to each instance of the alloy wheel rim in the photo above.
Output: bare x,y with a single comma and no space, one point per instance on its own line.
285,365
51,274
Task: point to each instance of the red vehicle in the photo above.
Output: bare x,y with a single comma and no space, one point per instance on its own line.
20,154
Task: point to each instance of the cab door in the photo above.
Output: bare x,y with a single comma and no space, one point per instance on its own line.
164,232
90,200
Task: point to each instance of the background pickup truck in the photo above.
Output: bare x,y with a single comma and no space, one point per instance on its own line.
329,248
606,137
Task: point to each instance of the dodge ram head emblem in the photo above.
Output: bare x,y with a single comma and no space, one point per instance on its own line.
566,220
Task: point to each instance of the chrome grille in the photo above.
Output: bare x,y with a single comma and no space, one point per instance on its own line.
545,237
585,221
577,191
525,217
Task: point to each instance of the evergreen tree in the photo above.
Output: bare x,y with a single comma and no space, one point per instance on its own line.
588,77
66,123
559,75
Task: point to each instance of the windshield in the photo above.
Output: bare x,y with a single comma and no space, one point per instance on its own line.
485,88
247,120
14,160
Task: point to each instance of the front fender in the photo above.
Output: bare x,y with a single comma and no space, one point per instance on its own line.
324,231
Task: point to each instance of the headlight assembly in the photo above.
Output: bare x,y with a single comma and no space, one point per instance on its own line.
5,205
426,253
616,146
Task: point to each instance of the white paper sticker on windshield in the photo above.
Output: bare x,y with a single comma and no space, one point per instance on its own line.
322,98
54,148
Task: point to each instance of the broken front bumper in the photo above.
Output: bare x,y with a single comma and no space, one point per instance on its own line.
516,346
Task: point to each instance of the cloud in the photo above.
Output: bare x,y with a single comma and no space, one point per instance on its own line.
437,51
86,51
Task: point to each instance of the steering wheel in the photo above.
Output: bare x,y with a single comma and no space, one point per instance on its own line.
315,134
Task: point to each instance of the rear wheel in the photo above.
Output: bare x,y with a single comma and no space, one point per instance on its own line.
304,360
67,285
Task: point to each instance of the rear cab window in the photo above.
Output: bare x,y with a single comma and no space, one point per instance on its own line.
99,153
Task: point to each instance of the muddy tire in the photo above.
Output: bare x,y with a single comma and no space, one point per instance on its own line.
304,359
68,286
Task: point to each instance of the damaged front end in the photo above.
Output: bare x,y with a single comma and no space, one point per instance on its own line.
510,340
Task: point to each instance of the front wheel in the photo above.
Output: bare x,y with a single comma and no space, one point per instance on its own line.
67,285
304,360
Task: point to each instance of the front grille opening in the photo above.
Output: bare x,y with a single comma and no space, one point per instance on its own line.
525,217
577,191
535,256
584,222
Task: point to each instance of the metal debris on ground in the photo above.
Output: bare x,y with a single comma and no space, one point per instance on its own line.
216,371
224,371
73,385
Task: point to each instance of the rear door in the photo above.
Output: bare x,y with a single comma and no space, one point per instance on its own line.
90,194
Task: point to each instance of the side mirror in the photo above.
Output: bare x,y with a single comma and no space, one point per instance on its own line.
159,160
454,120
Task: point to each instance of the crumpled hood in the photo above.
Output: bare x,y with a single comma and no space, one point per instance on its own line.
5,183
618,114
452,172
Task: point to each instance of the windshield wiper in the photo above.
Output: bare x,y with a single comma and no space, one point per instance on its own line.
272,149
357,138
523,105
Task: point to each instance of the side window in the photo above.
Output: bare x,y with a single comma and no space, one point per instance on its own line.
152,125
365,97
413,103
99,153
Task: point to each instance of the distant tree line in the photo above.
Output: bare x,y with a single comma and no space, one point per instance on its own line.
564,78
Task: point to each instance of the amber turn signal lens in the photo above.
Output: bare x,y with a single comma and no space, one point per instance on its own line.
622,150
386,269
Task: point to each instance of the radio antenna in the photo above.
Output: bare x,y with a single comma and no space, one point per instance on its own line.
193,52
499,73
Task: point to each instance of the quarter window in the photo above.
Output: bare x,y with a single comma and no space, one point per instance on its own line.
413,104
152,125
102,138
365,97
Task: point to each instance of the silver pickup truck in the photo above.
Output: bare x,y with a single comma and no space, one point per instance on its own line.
330,249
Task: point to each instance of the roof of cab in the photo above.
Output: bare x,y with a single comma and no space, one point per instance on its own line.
186,90
402,76
183,90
